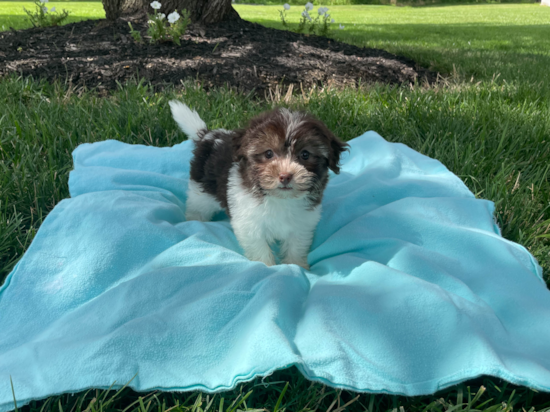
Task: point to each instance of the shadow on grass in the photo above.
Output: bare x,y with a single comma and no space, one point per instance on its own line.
516,52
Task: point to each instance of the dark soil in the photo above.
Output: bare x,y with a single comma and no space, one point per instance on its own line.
244,55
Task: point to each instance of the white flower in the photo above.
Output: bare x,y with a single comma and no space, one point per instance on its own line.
341,27
43,1
309,6
156,5
52,9
150,22
305,14
286,6
173,17
332,21
45,9
162,16
322,10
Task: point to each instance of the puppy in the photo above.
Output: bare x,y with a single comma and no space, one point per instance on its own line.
269,178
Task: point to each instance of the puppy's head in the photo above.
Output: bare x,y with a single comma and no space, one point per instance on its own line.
287,155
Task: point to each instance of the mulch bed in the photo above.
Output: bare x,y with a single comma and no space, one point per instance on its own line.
241,54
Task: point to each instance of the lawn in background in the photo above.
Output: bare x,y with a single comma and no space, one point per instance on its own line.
13,15
488,122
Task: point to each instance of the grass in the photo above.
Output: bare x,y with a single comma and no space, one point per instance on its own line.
488,122
13,15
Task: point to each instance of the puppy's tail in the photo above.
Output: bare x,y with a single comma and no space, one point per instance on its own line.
188,120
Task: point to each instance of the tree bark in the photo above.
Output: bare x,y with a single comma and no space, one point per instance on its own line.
201,11
112,9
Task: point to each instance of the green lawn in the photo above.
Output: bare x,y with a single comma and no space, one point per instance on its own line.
488,122
13,15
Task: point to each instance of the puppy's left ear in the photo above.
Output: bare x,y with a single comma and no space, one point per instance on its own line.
336,146
336,149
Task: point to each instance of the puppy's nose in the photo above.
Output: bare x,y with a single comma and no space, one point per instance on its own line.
285,178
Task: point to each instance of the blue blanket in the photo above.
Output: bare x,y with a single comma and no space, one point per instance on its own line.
411,289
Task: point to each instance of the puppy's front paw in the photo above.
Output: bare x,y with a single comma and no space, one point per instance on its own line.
269,262
266,258
303,263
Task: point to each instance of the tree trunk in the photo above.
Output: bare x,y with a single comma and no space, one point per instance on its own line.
112,9
201,11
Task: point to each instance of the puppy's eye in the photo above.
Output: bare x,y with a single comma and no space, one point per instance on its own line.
269,154
304,155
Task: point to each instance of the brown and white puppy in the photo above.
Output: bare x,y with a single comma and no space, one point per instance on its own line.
269,178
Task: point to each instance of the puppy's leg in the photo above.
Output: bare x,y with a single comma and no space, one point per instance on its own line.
296,246
247,214
295,249
257,250
200,205
254,244
246,223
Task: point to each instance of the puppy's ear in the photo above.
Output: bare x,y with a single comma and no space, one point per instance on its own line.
337,147
238,141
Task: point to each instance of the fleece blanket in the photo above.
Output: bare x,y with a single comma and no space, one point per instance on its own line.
411,288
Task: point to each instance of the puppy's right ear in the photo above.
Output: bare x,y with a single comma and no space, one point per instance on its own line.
238,140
